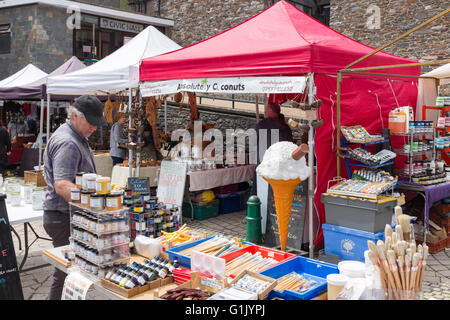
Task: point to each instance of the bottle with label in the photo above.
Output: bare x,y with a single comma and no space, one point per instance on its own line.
163,271
131,283
151,276
174,265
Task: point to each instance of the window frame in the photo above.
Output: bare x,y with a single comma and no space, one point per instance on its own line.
7,30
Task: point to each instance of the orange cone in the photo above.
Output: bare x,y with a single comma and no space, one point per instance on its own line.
283,192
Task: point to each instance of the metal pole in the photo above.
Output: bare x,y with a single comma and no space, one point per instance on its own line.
41,131
338,122
130,140
165,116
257,108
48,117
311,165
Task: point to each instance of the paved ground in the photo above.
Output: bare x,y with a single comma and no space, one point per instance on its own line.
36,283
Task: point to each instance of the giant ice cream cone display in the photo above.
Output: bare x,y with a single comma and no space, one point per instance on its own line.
284,167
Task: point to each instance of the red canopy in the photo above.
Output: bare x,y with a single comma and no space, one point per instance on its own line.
283,40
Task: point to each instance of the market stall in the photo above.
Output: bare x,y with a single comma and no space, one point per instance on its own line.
255,49
35,90
118,73
23,77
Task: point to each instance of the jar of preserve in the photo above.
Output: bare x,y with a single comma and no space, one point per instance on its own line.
75,195
85,199
102,185
114,201
97,202
79,180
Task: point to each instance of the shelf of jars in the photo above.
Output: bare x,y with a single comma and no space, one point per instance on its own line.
99,237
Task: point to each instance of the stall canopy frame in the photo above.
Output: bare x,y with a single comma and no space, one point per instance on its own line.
360,71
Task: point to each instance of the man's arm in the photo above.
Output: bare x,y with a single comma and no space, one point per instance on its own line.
63,188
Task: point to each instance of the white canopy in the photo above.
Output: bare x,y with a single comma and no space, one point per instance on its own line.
25,76
116,72
442,73
428,90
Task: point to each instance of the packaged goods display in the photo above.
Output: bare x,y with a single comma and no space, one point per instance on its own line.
295,282
152,219
362,188
139,274
358,134
368,158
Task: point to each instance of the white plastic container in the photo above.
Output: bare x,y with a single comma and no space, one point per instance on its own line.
335,283
352,268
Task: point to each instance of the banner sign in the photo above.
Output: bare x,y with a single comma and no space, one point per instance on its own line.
120,25
226,85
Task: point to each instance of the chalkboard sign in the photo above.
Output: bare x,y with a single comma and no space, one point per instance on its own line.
297,219
10,285
139,185
171,183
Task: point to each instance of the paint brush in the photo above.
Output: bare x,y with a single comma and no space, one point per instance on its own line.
414,268
375,261
394,268
394,237
404,222
388,231
384,262
399,232
401,266
424,265
397,211
408,267
387,243
420,252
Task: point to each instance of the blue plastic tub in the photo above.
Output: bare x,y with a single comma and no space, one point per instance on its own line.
183,260
349,244
229,203
309,269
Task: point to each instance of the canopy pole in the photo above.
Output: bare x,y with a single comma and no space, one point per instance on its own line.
41,133
48,117
257,108
130,140
165,116
311,165
338,122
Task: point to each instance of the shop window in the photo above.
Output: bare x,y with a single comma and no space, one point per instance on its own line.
5,38
85,46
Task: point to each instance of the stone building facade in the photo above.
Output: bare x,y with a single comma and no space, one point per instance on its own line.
196,20
376,23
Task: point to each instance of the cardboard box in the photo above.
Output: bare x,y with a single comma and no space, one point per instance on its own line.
35,176
128,293
261,296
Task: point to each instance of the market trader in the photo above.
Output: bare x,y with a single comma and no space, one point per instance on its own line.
117,137
66,154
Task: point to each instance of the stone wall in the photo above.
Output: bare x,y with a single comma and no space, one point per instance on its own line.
200,19
358,20
38,36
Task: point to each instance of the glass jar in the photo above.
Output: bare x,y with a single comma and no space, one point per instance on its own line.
102,185
38,198
28,192
15,198
85,199
97,202
88,182
79,180
114,201
75,195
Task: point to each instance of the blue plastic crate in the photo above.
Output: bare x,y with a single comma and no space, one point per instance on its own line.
309,269
229,203
183,260
349,244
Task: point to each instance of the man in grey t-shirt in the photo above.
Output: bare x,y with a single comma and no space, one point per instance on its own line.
66,154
